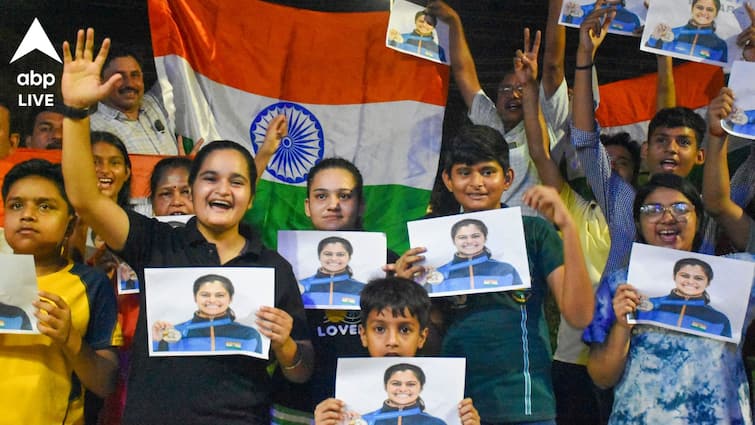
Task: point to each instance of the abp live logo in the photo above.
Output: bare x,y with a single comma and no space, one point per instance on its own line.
35,39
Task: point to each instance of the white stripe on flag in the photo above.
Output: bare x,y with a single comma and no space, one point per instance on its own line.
390,142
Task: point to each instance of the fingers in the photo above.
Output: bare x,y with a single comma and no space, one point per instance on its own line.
625,302
329,411
180,145
53,316
750,12
274,323
89,44
536,43
534,48
407,266
102,54
66,52
467,413
79,44
526,39
746,37
280,125
197,146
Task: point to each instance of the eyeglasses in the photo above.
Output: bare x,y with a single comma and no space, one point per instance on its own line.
509,90
678,210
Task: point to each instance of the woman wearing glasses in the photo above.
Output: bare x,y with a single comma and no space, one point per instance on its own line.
704,378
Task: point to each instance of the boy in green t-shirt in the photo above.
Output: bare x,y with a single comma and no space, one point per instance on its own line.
503,335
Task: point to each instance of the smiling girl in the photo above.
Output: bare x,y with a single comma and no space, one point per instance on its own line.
235,389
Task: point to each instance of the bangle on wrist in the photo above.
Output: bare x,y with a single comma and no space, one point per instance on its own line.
74,113
583,67
297,359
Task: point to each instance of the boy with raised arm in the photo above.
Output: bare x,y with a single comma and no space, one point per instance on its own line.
486,328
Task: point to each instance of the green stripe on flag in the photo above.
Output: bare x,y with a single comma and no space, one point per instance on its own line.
389,207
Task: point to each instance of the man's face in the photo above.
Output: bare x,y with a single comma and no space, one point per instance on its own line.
128,94
621,162
6,139
47,132
509,101
673,150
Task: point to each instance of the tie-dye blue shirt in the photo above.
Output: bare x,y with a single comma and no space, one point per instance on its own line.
672,377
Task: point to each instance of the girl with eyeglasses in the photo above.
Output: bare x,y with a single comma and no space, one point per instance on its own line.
660,375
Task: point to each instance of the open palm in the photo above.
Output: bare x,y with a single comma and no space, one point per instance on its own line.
81,84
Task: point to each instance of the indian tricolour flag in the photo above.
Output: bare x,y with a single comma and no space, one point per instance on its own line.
629,105
226,68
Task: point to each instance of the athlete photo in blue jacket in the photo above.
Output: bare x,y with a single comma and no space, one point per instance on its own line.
625,20
698,37
213,327
688,304
421,41
472,266
333,283
403,385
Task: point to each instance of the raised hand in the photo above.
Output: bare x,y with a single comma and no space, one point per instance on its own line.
194,149
80,84
746,39
720,108
525,62
594,27
441,10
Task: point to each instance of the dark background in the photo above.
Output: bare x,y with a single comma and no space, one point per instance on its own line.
493,29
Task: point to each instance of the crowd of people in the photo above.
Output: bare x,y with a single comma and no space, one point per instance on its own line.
90,363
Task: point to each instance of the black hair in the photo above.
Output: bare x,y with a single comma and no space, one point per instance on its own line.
717,3
37,168
474,144
430,19
161,169
122,52
416,370
467,222
217,145
680,184
679,117
339,163
624,140
335,239
227,285
397,294
111,139
707,269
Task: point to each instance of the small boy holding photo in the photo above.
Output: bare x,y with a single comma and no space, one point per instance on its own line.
395,318
45,375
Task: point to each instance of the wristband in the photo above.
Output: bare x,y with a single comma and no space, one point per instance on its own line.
581,68
74,113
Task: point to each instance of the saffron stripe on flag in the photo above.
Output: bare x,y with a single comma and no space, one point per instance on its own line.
226,69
